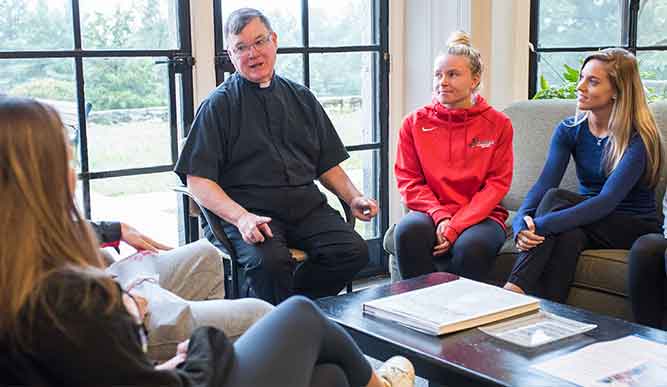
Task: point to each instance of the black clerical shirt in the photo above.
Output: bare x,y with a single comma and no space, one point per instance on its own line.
244,136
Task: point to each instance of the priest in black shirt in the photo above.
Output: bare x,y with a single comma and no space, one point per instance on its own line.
256,146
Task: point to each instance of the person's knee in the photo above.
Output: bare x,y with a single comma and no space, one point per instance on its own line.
413,227
649,245
473,262
359,250
328,375
206,257
648,251
272,261
246,312
553,196
258,308
302,310
349,253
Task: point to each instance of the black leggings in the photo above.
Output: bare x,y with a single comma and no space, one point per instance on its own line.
646,279
471,256
296,345
548,269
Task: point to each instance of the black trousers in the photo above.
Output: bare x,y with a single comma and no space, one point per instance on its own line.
646,279
471,256
296,345
302,219
547,270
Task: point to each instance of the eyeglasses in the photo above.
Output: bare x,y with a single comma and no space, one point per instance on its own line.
261,43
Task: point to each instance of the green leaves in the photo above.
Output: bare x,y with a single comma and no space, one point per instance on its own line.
568,90
543,83
571,74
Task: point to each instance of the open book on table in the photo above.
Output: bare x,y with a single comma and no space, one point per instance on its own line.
451,306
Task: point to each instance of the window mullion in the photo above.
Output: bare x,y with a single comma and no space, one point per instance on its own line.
532,57
632,25
306,42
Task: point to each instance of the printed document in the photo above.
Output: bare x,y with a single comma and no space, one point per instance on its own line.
629,361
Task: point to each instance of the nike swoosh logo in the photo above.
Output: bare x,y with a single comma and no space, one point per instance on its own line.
427,129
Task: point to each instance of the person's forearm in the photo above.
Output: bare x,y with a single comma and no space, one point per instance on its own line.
337,181
210,195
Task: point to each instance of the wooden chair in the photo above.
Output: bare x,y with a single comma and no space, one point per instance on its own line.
235,288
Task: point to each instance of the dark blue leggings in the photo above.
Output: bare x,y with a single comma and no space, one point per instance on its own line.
548,269
646,279
296,345
471,256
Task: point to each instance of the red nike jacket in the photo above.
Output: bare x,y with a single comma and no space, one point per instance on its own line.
456,164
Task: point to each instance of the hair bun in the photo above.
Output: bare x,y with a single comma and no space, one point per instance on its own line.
459,38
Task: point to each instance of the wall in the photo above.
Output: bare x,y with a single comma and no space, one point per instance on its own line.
203,49
500,30
419,30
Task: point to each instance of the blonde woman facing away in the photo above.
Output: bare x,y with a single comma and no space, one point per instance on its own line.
615,145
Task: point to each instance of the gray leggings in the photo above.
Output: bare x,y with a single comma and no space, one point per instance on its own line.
296,345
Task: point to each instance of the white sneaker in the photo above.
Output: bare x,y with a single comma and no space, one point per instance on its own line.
397,372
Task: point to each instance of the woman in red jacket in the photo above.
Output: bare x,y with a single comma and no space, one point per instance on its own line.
454,165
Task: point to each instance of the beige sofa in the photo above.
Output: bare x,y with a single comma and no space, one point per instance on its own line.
600,279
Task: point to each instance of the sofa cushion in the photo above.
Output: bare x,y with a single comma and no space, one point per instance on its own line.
605,270
600,302
533,123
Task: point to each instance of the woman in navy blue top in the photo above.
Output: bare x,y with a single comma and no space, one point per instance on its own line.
615,145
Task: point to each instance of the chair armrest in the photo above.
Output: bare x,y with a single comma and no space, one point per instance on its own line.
349,218
193,207
212,219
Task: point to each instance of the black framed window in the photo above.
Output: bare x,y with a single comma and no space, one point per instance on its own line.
119,71
563,32
340,51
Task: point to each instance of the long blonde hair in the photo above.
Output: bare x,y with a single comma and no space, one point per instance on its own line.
42,231
630,113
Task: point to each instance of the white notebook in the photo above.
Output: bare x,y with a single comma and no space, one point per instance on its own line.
451,306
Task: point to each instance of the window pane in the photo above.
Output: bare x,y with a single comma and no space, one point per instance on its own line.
575,23
290,66
652,21
146,202
284,16
363,168
128,126
551,66
35,25
340,23
343,83
49,79
129,24
653,69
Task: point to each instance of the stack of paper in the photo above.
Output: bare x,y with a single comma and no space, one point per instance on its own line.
451,306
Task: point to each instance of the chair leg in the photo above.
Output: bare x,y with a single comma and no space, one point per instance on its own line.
236,286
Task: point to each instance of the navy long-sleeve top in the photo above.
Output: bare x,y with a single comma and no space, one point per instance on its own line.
623,190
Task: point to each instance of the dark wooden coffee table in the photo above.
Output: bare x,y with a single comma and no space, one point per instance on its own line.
470,357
